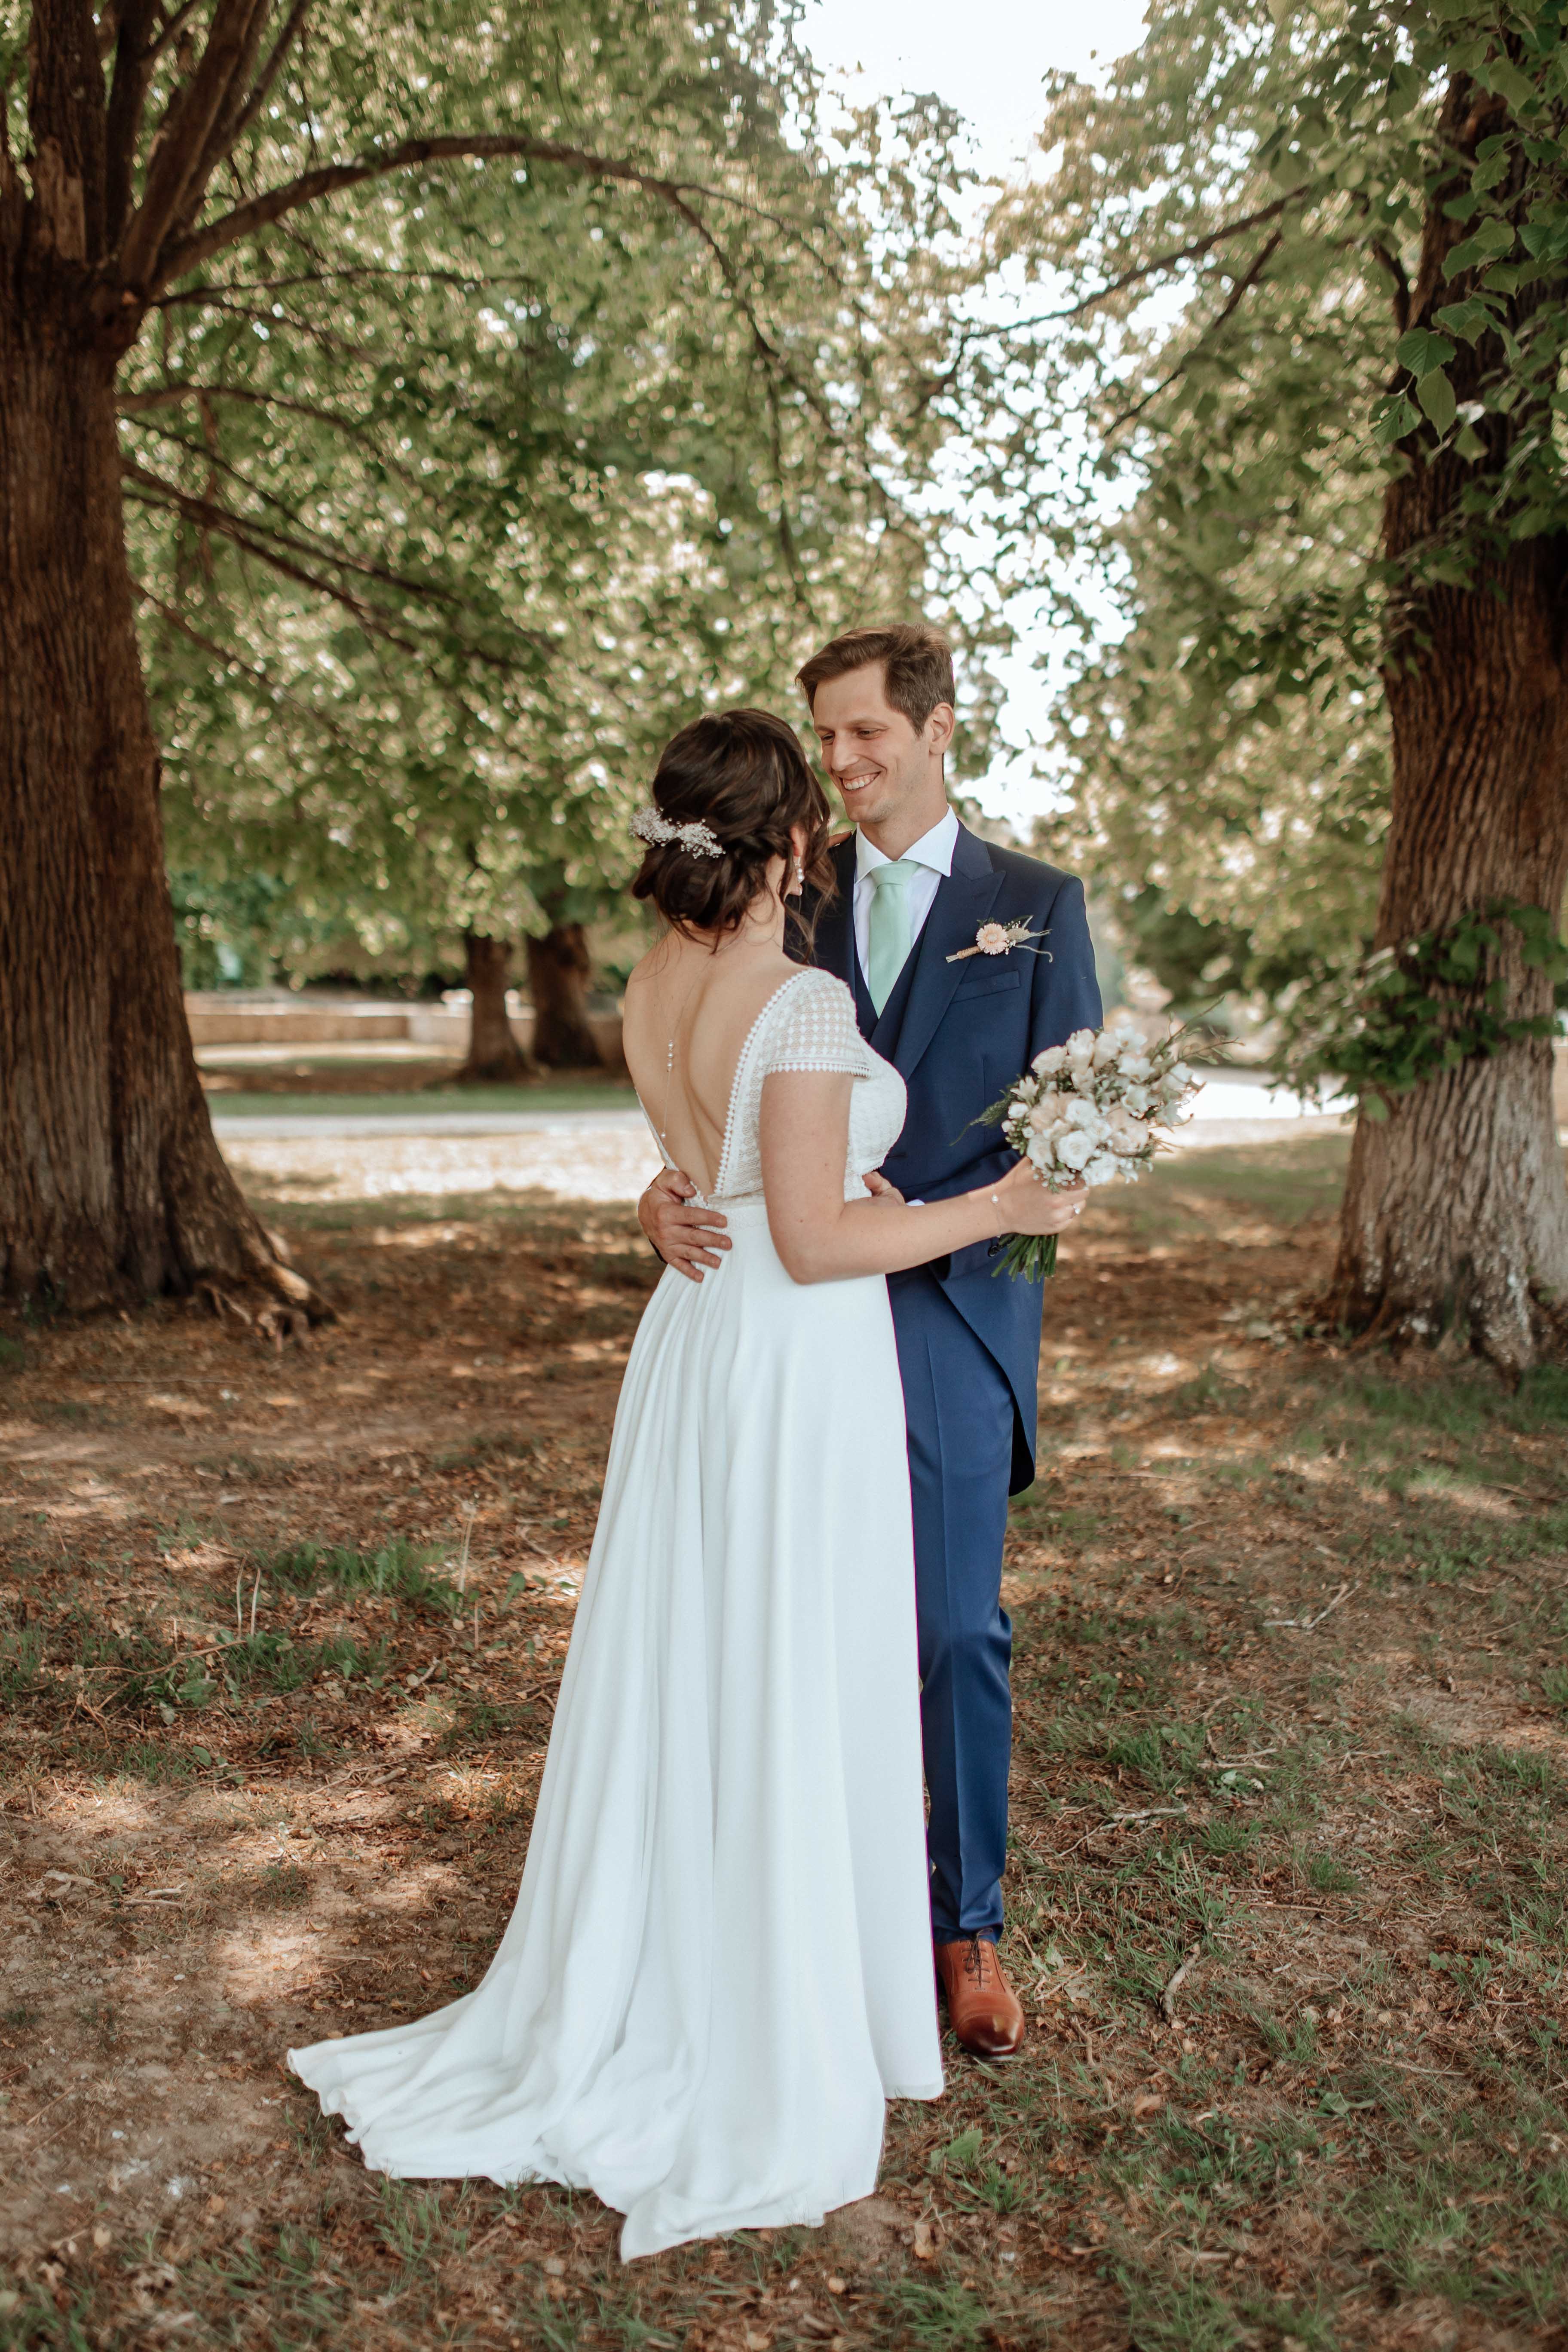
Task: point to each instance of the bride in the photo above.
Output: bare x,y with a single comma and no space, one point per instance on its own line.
719,1966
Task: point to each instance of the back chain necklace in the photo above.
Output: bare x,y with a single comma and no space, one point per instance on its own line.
669,1063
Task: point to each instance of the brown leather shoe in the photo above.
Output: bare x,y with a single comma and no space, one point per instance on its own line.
981,2009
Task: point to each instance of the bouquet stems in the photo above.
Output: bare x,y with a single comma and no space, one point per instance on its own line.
1033,1255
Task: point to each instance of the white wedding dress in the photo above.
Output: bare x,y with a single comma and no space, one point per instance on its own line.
719,1963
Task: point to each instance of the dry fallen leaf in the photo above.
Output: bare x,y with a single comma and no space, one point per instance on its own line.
925,2241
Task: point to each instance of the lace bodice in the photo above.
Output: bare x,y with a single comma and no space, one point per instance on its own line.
808,1023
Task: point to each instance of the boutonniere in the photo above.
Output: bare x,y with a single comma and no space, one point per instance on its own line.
1000,938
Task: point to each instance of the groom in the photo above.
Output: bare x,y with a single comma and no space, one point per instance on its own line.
914,889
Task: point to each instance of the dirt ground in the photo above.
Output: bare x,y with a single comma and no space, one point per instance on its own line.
279,1640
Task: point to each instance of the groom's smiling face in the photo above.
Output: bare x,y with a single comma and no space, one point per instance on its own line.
888,771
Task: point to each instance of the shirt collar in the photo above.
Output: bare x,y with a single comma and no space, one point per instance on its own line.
935,849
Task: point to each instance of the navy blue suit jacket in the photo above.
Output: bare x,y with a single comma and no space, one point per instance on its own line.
961,1033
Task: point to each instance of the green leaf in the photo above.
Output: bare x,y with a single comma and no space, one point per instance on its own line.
1392,419
1490,242
1435,395
958,2154
1507,83
1536,519
1420,350
1469,320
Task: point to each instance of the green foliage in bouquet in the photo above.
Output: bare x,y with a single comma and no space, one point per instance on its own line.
1089,1112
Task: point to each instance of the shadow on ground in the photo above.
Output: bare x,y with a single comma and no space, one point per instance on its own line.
279,1646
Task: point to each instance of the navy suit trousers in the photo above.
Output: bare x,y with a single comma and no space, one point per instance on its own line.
961,1414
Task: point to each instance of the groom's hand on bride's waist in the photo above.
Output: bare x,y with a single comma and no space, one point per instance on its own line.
686,1234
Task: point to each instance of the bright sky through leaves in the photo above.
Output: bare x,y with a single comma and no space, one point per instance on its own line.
988,59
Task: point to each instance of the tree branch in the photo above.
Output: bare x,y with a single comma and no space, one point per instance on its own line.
227,133
173,184
223,518
1153,269
65,115
1237,294
229,658
170,29
213,298
189,253
468,281
216,463
122,126
227,526
171,395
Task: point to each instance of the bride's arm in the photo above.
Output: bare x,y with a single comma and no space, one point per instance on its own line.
822,1237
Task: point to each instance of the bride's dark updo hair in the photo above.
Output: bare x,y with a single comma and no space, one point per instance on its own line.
744,775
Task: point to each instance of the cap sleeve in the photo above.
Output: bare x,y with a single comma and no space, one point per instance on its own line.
814,1028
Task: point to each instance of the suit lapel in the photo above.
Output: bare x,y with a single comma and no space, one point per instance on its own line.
833,948
963,899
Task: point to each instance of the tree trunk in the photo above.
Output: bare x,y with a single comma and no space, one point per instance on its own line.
495,1057
558,972
1455,1214
111,1183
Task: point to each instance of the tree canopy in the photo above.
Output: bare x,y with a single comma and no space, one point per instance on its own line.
1242,336
451,497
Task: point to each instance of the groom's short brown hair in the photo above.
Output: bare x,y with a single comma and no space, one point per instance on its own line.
916,663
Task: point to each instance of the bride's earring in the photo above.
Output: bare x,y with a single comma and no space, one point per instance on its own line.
798,884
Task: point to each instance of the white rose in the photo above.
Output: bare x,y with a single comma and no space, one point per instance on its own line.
1122,1132
1083,1079
1081,1112
1104,1169
1079,1047
1075,1149
1042,1119
1107,1046
1048,1063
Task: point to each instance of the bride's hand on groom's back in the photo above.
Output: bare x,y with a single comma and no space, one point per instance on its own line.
686,1234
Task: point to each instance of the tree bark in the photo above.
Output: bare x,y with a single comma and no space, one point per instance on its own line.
495,1057
111,1184
559,967
1456,1212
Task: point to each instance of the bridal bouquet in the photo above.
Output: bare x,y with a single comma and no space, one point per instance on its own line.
1088,1112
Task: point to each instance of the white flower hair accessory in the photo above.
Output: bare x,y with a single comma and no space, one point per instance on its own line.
697,838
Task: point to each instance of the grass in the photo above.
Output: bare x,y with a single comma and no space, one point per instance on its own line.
592,1095
398,1570
1346,2127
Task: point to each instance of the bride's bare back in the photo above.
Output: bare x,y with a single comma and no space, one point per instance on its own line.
690,1008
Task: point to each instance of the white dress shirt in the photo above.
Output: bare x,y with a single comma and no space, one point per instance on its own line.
932,852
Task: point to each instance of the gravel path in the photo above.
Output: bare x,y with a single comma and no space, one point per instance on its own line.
608,1158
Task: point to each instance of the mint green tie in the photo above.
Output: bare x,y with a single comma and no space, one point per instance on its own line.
887,937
